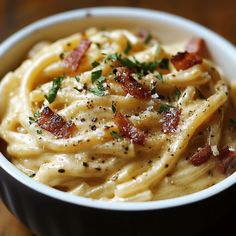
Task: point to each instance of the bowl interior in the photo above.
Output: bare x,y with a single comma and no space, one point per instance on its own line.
168,28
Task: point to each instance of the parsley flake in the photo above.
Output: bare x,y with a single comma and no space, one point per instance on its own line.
77,78
97,91
113,107
128,47
177,93
95,64
148,39
115,135
159,76
53,91
96,75
164,64
164,108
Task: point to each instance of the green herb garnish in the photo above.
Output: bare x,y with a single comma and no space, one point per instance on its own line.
148,39
31,120
164,64
159,76
95,64
164,108
98,45
39,131
53,91
98,79
97,91
128,47
113,107
154,89
115,135
177,93
96,75
77,78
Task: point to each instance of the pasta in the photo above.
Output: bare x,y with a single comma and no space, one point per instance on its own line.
116,115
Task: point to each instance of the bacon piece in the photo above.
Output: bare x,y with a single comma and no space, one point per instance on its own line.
197,46
128,130
73,60
227,161
170,120
185,60
55,124
202,155
130,85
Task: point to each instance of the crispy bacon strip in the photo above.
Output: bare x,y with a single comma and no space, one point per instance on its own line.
170,120
197,46
73,60
55,124
202,155
185,60
130,85
227,161
128,130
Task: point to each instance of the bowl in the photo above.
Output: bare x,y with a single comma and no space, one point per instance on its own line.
48,211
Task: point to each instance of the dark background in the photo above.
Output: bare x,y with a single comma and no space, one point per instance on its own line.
218,15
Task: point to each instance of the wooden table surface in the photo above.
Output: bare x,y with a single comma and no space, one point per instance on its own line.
218,15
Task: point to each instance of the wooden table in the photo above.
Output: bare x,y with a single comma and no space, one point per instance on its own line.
218,15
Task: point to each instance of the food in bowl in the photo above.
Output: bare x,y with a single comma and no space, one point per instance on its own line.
117,115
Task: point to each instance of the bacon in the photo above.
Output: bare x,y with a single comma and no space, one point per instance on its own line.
185,60
130,85
170,120
128,130
227,161
75,57
201,156
197,46
55,124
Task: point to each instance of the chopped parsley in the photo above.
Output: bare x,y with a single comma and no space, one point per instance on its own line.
154,89
164,64
97,91
159,76
95,64
77,78
31,120
55,87
96,75
232,122
113,107
115,135
39,131
98,45
177,93
164,108
98,79
128,47
148,39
